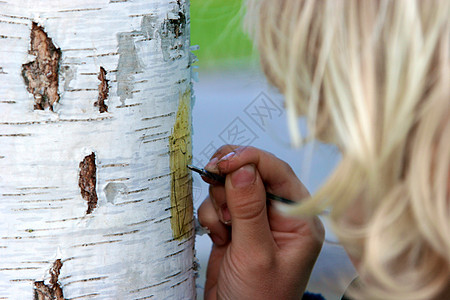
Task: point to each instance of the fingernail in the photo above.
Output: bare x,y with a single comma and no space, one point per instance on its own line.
224,214
212,165
224,161
228,156
244,176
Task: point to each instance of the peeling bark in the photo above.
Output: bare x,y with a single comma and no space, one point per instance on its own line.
173,33
103,91
87,181
176,26
53,290
41,75
129,65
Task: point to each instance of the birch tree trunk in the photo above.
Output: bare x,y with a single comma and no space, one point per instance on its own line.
95,197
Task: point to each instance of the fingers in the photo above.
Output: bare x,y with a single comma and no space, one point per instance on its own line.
208,217
278,176
246,200
222,151
219,201
220,235
294,233
306,246
213,270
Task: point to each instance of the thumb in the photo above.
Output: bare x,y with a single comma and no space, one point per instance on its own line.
246,200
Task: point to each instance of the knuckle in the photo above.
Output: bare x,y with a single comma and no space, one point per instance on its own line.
247,150
221,149
287,169
282,164
206,215
314,230
247,207
258,261
262,261
202,213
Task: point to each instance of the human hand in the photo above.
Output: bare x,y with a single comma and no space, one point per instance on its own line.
257,252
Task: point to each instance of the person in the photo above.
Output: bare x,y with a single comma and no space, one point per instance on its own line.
372,78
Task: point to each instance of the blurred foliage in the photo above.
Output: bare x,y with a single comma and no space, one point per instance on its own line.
216,26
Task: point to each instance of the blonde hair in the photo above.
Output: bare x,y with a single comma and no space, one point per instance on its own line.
373,78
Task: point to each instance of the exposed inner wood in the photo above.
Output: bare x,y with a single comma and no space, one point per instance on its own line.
41,75
180,145
87,181
103,91
53,290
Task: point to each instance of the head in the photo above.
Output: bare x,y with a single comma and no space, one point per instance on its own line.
372,77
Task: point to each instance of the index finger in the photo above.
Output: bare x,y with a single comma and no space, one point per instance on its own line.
277,175
221,152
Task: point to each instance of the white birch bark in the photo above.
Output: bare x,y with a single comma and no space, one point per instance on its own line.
125,247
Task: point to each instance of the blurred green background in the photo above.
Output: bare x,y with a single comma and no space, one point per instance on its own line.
216,26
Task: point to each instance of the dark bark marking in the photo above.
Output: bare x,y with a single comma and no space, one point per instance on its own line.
177,26
160,116
122,233
173,33
179,283
80,9
87,181
139,223
173,275
41,75
103,91
104,54
130,202
9,37
163,219
53,290
57,121
95,243
129,105
15,17
115,165
155,140
137,191
149,287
